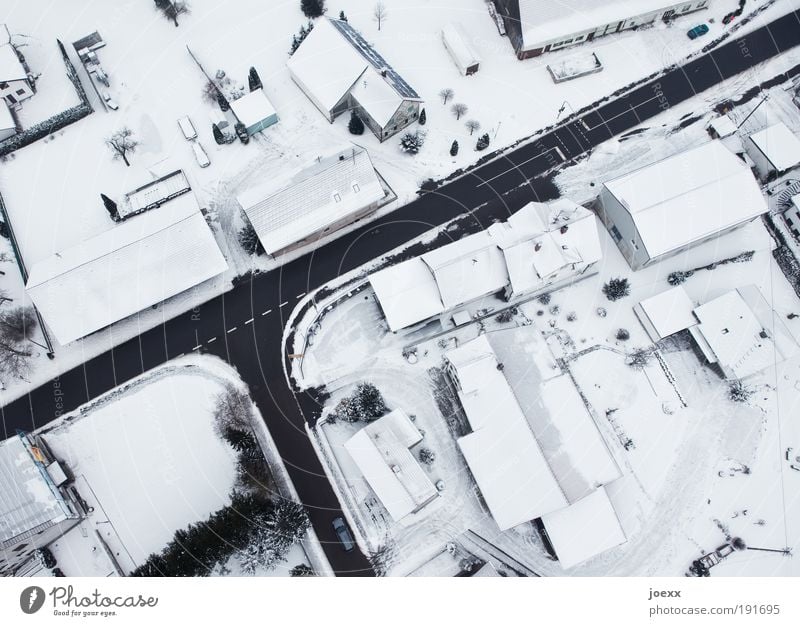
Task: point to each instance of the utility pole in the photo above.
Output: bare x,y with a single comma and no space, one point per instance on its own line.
764,99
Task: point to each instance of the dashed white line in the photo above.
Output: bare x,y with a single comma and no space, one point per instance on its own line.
267,312
283,304
196,348
212,340
300,296
250,321
515,168
230,330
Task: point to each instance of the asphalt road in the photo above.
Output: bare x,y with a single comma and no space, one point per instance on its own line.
245,325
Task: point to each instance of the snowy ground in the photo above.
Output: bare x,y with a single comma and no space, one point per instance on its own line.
147,459
155,81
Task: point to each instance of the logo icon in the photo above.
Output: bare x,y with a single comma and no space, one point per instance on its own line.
31,600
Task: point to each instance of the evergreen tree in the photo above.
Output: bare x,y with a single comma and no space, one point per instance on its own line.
411,143
249,240
312,8
342,17
454,148
218,136
616,288
222,102
254,79
111,207
483,142
241,133
302,570
355,126
423,118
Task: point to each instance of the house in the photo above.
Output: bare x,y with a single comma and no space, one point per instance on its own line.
541,247
774,150
721,127
255,111
8,126
534,448
153,194
381,450
16,83
538,26
339,71
740,334
138,263
36,507
462,53
669,206
666,313
337,190
792,215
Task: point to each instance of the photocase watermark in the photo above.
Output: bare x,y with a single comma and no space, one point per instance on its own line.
65,602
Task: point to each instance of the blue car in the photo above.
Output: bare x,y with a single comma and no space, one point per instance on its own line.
697,31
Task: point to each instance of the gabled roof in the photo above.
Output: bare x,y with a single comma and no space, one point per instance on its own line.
458,44
6,119
688,197
10,66
407,293
284,212
252,108
779,145
667,313
134,265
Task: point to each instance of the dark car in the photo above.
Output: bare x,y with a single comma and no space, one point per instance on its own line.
344,535
697,31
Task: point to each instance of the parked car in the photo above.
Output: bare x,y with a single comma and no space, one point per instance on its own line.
110,103
344,535
697,31
187,128
200,154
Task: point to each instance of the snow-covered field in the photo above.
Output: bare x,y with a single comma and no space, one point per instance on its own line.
147,458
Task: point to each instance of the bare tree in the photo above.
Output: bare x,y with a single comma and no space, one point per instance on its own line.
16,328
459,109
379,13
445,94
171,9
122,143
472,126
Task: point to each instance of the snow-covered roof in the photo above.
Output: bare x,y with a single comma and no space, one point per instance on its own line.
381,452
502,452
407,293
334,58
584,529
533,244
284,212
155,193
545,21
6,119
570,441
28,501
253,108
743,333
459,46
688,196
723,125
10,66
135,264
779,145
667,313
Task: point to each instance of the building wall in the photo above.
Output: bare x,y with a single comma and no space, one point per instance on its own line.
407,113
309,94
792,217
622,229
5,133
265,123
15,91
561,279
764,167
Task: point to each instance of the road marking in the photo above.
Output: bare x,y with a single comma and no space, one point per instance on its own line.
515,168
300,296
283,304
212,340
250,321
267,312
230,330
196,348
626,111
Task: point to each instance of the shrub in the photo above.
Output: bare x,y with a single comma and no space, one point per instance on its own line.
454,148
365,404
639,359
410,143
544,298
483,142
739,392
623,334
248,239
616,288
427,456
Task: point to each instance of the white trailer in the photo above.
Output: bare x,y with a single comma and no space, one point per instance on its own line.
465,58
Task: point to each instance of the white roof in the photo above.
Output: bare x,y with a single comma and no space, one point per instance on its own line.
584,529
155,193
377,97
10,66
407,293
457,42
136,264
253,108
732,327
570,441
27,500
669,312
723,125
338,185
326,65
544,21
6,120
688,196
502,453
779,144
381,451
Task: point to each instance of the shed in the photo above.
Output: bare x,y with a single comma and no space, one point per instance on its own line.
666,313
255,111
462,53
774,150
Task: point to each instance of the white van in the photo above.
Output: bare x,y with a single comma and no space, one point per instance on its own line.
187,128
200,154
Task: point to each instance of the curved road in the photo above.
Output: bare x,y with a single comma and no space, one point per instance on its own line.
248,321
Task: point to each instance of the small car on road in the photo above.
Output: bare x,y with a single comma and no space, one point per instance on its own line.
344,534
697,31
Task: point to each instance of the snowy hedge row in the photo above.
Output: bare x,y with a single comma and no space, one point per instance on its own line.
56,122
